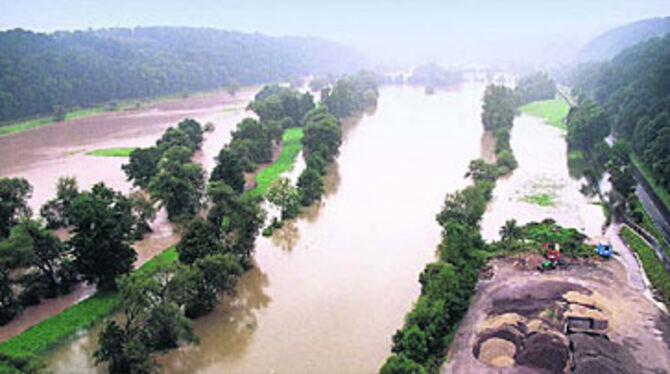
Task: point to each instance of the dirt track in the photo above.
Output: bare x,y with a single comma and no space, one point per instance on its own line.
528,309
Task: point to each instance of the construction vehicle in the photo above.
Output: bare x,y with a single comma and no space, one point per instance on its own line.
553,257
605,248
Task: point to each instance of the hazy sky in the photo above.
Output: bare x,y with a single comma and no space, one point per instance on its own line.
448,30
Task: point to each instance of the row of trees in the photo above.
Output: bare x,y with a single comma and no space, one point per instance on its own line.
212,254
167,172
214,251
448,284
498,113
52,73
535,87
631,96
36,264
323,134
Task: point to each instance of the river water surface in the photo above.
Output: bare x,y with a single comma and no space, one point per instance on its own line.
44,154
329,290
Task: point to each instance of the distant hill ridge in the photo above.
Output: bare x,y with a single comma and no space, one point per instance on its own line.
83,68
610,43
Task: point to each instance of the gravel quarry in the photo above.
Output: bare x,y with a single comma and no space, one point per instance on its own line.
584,317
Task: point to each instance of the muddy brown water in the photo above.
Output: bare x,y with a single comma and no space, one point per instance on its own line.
44,154
329,290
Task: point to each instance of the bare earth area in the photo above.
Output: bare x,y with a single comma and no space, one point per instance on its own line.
584,317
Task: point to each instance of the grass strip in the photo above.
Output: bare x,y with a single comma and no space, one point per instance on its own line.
648,225
291,147
541,199
85,313
662,193
112,152
31,124
552,111
658,276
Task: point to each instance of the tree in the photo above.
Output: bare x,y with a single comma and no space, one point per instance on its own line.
310,186
193,129
200,239
14,195
102,228
283,195
587,125
322,135
46,253
9,306
143,211
179,184
499,107
142,165
229,170
481,170
122,353
53,211
400,364
206,278
59,113
152,319
176,137
510,231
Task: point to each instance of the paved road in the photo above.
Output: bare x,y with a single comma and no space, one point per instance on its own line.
659,221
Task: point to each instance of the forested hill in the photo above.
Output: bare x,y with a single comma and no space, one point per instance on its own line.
612,42
634,91
80,69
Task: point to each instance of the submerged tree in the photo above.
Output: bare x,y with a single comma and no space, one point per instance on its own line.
14,195
102,228
283,195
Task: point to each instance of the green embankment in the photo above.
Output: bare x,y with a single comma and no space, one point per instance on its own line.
122,105
648,225
112,152
61,326
552,111
658,276
662,193
27,125
291,147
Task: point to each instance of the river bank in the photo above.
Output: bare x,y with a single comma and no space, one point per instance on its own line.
59,327
344,255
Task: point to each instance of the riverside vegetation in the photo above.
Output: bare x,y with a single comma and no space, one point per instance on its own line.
448,285
158,301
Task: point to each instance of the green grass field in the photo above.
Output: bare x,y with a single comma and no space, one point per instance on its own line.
552,111
662,193
658,276
291,147
112,152
66,324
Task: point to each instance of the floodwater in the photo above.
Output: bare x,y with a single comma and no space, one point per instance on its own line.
329,290
44,154
541,151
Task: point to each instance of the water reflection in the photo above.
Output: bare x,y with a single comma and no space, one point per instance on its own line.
232,325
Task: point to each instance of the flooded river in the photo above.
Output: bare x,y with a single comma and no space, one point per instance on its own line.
329,291
47,153
541,152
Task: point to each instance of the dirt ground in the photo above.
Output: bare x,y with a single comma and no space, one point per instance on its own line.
517,322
